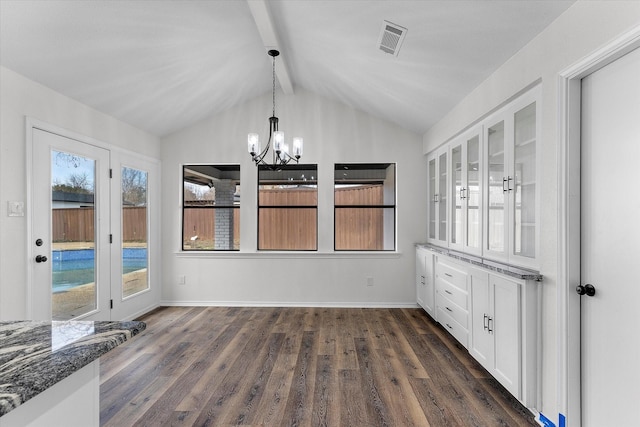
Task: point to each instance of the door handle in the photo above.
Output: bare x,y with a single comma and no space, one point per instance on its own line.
587,289
509,179
505,181
41,258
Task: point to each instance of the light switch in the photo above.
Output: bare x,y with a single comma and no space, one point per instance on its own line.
15,208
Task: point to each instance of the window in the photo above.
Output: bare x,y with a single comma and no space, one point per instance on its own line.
135,216
211,208
365,206
288,208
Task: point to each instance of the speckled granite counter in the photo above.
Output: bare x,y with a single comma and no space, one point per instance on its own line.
506,269
36,355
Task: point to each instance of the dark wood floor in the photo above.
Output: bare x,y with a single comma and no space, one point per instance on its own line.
299,366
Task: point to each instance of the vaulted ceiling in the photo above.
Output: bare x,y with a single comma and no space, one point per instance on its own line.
164,65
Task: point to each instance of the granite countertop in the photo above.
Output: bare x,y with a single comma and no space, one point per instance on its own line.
498,267
36,355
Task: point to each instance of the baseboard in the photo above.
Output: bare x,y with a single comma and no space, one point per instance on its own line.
287,304
142,312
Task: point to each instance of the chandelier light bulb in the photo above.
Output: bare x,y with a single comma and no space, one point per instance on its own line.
297,147
253,143
278,140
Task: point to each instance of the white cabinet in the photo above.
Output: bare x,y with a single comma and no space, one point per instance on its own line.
466,192
495,341
452,299
425,290
483,192
503,335
438,196
511,190
491,313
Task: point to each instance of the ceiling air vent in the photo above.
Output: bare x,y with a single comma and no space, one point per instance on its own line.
391,38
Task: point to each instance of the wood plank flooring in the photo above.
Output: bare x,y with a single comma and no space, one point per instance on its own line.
223,366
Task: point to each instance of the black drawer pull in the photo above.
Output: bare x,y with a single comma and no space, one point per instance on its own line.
448,275
449,326
448,309
448,291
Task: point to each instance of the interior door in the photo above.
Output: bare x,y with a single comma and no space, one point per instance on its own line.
610,221
70,229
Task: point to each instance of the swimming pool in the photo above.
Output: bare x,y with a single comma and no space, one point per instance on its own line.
71,268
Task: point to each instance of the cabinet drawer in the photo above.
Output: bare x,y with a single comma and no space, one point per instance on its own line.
451,274
453,293
453,327
459,314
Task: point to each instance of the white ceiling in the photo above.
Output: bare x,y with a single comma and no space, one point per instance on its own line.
164,65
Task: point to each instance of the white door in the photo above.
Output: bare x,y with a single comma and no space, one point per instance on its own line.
610,221
135,236
70,229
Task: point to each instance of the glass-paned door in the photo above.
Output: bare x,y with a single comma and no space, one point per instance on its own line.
497,185
524,236
442,197
473,194
457,190
432,198
73,242
70,229
136,242
135,259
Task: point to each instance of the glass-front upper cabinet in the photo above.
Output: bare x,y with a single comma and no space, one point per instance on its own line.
496,184
511,227
465,166
437,172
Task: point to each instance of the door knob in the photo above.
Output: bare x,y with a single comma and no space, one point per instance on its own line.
41,258
587,289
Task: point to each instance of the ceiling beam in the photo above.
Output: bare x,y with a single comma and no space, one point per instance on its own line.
261,16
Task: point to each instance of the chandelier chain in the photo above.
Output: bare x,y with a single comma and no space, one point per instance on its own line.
274,86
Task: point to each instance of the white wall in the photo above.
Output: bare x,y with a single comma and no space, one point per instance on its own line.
582,29
19,98
332,133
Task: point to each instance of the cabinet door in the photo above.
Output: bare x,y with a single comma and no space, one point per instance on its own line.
437,169
420,276
473,195
505,298
523,191
481,341
429,285
425,289
432,197
497,190
457,195
442,197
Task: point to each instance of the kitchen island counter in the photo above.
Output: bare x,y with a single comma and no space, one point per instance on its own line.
35,356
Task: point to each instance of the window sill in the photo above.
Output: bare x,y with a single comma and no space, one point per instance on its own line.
290,254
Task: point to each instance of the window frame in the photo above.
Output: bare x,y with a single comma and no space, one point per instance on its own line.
262,168
383,206
227,167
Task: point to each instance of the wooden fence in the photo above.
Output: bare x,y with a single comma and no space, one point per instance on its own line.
280,228
77,224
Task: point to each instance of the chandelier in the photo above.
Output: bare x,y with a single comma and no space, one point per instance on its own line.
280,150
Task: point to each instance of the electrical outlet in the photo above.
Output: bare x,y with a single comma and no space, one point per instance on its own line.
369,281
182,280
